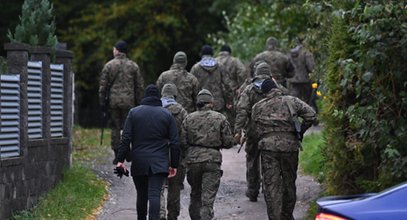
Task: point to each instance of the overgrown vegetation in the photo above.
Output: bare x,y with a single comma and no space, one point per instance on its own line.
366,122
80,193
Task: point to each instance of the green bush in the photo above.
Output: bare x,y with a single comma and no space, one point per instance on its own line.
366,122
37,24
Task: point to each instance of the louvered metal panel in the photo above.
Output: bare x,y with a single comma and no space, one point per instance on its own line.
9,116
57,100
34,98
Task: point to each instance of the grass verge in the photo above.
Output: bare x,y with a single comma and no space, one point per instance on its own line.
80,193
311,157
311,163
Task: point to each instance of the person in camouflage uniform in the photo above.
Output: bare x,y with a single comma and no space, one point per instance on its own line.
280,65
187,84
236,73
278,145
203,134
250,96
300,85
211,76
168,97
123,85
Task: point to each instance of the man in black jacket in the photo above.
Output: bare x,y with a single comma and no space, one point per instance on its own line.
153,133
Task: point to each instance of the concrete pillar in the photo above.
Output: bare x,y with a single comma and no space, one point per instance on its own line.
65,57
43,54
17,59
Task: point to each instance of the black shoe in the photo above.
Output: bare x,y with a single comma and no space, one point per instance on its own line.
252,198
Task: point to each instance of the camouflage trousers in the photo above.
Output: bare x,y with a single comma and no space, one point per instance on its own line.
204,179
117,118
172,204
252,168
279,170
301,90
231,116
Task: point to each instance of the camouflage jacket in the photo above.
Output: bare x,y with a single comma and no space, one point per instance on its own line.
178,112
187,85
249,96
203,134
273,121
211,76
234,69
304,63
281,67
122,77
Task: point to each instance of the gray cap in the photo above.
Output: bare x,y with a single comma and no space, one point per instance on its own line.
181,58
262,69
204,96
169,90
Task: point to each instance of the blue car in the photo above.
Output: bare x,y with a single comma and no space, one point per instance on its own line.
390,204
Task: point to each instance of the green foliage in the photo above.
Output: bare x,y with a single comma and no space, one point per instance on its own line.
37,25
366,123
311,158
255,22
76,197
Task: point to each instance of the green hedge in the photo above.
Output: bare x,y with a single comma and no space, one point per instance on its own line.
366,119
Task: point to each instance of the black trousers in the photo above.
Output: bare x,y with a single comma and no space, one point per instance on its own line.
148,190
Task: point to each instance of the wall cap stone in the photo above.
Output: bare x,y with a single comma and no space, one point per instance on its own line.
17,47
40,50
64,54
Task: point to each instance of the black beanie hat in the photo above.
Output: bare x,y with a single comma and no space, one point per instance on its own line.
267,85
121,46
151,90
206,50
226,48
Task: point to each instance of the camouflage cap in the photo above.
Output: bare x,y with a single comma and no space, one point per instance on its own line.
181,58
204,96
169,90
262,69
271,42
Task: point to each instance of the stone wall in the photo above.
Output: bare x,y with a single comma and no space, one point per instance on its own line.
24,179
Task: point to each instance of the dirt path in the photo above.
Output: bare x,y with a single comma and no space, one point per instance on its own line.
230,204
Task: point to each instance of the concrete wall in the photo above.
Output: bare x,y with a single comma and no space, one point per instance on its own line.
24,179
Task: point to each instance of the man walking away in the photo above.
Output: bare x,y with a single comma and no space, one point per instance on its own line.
120,89
169,96
152,132
236,73
204,133
279,142
211,76
186,83
280,65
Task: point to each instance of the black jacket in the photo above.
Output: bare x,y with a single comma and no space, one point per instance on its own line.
153,133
